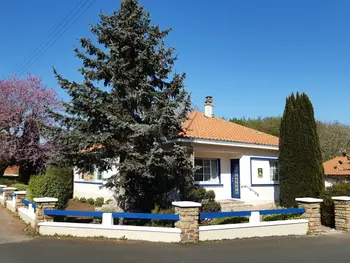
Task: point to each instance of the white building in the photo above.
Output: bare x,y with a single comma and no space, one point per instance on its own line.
237,162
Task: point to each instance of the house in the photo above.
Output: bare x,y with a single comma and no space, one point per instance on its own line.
236,162
11,171
336,170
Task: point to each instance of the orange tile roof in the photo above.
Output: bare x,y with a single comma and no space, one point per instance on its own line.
201,127
11,170
332,167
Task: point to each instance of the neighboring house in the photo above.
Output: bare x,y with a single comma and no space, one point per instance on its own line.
237,162
11,171
336,172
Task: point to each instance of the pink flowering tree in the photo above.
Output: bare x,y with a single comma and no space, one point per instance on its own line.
25,114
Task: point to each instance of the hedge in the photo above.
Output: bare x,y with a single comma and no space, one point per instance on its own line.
56,182
7,181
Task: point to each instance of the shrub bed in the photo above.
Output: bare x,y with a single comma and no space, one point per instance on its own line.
243,219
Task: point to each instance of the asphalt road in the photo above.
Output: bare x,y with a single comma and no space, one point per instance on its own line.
15,247
334,249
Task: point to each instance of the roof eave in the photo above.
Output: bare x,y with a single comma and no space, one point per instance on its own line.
337,174
225,143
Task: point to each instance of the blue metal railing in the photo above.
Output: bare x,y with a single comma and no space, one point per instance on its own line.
172,217
248,213
72,213
27,203
290,211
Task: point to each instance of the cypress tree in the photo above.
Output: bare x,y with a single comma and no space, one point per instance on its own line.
301,169
127,107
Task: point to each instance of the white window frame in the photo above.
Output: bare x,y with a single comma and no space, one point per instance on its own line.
274,169
213,179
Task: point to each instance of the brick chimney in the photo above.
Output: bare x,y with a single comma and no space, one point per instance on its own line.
208,107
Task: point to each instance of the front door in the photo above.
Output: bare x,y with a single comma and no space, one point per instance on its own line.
235,180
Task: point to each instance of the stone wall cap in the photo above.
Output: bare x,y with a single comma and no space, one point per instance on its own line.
308,200
45,200
10,188
20,192
186,204
341,198
3,186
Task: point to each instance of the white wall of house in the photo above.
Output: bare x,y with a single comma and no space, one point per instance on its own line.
93,190
252,189
90,186
333,179
254,192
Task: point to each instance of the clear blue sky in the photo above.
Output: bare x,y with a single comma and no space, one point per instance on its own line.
248,54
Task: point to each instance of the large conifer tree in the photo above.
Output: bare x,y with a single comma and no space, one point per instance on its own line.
130,103
301,170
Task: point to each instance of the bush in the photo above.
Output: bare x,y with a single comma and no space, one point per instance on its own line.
211,206
206,198
327,207
20,187
99,201
56,182
327,210
198,194
90,201
83,200
36,187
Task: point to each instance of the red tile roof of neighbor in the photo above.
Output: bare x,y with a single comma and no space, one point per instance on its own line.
201,127
332,167
11,170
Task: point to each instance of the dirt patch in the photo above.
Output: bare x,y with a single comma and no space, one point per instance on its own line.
77,205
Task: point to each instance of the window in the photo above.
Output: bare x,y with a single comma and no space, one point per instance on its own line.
274,170
207,170
99,174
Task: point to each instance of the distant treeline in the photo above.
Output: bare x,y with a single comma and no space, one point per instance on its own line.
334,136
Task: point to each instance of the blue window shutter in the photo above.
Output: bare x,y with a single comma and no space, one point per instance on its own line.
219,170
